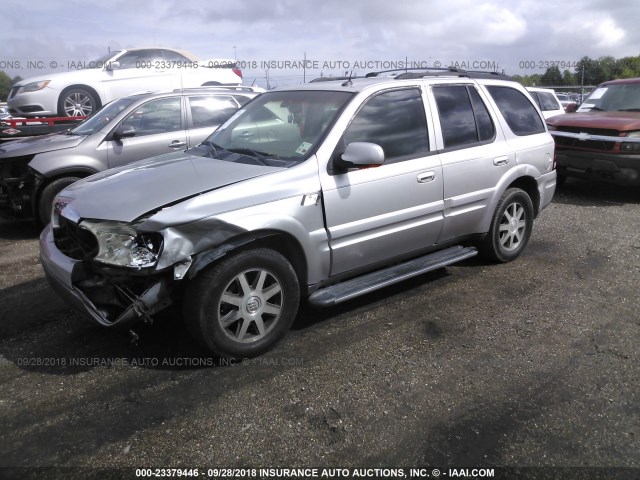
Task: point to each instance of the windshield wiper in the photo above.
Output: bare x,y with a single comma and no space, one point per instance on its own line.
629,110
255,153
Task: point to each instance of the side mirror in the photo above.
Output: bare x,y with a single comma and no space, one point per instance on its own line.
572,107
112,66
124,132
360,155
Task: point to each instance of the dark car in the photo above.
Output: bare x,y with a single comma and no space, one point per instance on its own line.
602,139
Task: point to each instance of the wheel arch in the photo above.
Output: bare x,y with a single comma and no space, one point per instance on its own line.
282,242
530,186
89,88
80,172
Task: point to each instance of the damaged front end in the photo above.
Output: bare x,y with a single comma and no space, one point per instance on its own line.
17,186
117,273
113,271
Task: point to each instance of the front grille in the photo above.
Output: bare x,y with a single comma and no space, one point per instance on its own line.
13,91
588,144
73,241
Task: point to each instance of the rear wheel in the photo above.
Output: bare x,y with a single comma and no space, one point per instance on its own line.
45,202
77,102
241,307
510,227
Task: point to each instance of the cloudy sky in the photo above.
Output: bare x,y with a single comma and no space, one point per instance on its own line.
519,36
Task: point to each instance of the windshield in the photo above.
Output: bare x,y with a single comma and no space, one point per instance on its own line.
102,60
277,128
102,117
613,98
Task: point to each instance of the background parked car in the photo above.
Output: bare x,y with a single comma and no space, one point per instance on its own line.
34,170
566,101
114,75
602,139
547,100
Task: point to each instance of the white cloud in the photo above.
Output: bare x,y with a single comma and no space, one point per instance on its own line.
445,30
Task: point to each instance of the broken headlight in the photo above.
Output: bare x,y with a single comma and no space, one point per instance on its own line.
120,244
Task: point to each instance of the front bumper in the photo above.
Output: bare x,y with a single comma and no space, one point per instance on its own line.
64,274
41,103
615,167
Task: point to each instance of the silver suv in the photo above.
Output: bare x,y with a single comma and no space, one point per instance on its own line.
324,191
34,170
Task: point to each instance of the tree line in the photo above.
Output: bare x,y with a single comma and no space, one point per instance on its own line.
5,85
587,72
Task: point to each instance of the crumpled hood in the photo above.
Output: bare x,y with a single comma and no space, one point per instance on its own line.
39,144
126,193
621,121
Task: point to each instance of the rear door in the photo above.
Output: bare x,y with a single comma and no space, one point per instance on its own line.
474,157
377,214
139,71
159,128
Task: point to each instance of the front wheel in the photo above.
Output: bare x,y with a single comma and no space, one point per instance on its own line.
77,102
241,307
510,227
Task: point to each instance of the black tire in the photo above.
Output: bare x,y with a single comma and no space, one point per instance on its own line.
510,227
77,102
48,194
262,315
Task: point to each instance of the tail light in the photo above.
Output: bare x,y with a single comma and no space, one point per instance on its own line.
237,71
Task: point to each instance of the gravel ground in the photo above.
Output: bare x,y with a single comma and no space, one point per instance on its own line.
528,364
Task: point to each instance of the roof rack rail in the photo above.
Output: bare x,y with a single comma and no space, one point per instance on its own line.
408,73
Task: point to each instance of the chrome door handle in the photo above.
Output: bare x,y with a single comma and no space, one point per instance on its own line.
177,144
425,177
500,160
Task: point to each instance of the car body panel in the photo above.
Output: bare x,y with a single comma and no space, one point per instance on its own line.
132,191
622,121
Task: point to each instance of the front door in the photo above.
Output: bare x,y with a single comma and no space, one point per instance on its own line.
376,214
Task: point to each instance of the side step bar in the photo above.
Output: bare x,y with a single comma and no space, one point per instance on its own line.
341,292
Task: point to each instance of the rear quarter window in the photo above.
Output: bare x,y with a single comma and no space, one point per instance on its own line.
548,102
518,111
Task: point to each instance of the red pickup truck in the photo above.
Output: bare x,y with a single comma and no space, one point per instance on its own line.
602,138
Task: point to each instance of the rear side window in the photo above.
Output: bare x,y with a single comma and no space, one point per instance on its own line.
546,101
518,111
207,111
394,120
463,116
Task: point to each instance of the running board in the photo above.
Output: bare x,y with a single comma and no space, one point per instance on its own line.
341,292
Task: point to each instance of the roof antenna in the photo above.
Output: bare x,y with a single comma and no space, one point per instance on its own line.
348,83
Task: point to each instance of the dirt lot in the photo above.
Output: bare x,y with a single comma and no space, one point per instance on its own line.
528,364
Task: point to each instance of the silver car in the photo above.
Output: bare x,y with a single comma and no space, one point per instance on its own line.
324,191
34,170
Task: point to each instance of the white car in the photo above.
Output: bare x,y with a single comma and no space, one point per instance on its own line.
82,91
547,101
